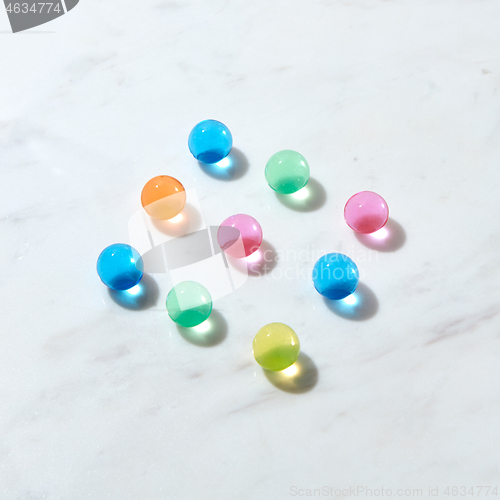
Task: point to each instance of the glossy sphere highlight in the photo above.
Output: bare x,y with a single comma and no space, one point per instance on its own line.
335,276
210,141
366,212
276,347
163,197
287,172
120,266
189,304
239,236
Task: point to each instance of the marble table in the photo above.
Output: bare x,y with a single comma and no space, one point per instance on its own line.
400,391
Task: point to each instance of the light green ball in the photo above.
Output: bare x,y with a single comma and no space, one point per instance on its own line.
189,304
287,171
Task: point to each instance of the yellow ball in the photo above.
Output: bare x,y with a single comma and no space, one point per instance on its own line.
276,347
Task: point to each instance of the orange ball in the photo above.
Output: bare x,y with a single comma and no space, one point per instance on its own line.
163,197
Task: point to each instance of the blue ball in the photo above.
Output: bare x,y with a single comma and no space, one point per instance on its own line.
335,276
210,141
120,266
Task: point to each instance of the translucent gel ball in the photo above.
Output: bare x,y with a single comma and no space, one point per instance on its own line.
239,236
335,276
189,304
120,266
287,171
210,141
366,212
276,347
163,197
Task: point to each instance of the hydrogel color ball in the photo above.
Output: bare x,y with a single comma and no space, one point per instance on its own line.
335,276
120,266
366,212
163,197
210,141
189,304
239,236
287,171
276,347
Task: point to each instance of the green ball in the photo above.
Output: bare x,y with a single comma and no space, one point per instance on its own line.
287,171
189,304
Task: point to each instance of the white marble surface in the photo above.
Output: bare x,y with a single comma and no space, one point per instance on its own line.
400,97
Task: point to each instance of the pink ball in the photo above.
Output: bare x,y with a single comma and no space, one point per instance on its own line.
366,212
239,236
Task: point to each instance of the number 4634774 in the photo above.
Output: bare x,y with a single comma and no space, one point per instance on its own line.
475,491
36,8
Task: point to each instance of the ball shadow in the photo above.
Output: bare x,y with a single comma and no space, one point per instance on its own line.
359,306
188,221
388,239
210,333
142,296
311,197
233,166
261,262
301,377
